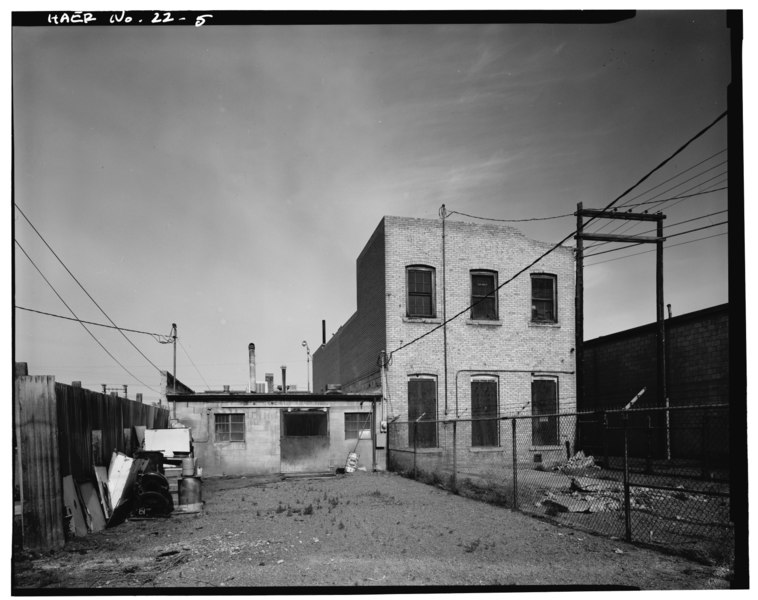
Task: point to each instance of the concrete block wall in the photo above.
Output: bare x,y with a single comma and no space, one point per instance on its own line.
260,453
617,366
512,348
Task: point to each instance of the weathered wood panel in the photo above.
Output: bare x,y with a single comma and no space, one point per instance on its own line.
37,436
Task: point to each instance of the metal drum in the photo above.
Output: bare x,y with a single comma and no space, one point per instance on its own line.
190,494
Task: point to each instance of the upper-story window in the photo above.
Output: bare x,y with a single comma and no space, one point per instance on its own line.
420,284
484,295
544,300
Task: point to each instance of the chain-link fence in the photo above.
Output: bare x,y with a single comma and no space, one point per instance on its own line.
653,476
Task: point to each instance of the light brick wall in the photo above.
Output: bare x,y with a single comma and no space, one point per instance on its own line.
512,348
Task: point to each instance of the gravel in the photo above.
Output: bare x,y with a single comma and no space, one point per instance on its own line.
359,529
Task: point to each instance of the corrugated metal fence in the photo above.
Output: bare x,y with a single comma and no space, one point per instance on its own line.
61,430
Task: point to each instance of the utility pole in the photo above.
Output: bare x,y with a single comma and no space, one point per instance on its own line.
307,364
173,336
634,239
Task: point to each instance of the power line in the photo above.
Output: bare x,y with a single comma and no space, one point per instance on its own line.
82,287
455,212
647,251
80,321
193,364
154,335
660,202
632,225
684,197
569,236
667,235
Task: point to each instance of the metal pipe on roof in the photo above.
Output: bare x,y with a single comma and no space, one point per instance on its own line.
251,355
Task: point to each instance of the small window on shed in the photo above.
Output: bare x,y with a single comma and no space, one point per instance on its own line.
230,427
355,423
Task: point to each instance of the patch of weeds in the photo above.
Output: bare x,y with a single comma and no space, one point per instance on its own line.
257,513
289,510
280,509
308,510
341,525
471,546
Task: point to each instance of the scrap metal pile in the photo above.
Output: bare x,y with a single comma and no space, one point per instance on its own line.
146,485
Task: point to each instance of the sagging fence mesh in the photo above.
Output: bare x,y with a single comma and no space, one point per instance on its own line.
655,476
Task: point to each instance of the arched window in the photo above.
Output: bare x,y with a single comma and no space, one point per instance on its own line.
421,300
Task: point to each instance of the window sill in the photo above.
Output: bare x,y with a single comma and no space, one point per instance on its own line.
485,322
427,450
430,320
546,448
547,325
485,449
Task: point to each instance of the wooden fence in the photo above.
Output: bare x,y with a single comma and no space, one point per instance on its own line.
60,430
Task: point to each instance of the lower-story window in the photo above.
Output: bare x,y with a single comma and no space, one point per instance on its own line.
484,424
230,427
422,406
544,412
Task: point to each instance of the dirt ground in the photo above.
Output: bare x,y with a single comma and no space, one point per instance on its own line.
360,529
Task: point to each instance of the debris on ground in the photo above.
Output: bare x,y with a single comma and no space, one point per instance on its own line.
576,463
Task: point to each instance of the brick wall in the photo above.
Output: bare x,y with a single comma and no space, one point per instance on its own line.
511,349
350,357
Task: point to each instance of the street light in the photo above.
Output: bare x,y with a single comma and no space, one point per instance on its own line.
308,364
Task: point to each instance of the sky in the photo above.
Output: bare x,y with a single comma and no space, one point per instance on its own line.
225,178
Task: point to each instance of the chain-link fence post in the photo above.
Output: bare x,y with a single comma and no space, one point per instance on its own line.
627,493
705,441
514,462
415,438
649,440
604,435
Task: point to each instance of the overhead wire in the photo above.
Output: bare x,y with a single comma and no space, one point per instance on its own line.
629,226
455,212
651,231
628,202
569,236
155,336
52,287
671,235
653,250
82,287
194,365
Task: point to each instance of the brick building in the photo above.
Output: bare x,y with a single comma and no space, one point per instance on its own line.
509,352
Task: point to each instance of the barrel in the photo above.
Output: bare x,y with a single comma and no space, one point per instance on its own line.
188,467
190,494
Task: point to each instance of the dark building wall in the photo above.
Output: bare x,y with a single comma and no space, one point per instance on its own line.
350,357
618,366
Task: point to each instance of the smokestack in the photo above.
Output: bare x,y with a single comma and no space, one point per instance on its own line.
284,378
251,353
270,383
323,332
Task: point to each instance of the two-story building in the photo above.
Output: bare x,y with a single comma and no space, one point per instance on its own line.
443,333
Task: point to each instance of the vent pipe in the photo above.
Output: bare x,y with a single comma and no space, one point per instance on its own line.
251,353
270,383
323,332
284,379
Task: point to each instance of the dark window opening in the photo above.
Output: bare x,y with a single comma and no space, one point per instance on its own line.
422,402
304,424
544,299
230,427
484,406
483,295
420,282
355,423
544,409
